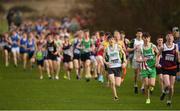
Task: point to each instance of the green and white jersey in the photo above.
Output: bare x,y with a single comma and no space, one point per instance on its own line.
149,53
58,43
113,56
87,45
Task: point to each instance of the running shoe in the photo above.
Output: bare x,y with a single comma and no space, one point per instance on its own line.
148,101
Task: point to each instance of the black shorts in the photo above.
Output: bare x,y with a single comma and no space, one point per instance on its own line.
171,72
77,56
45,57
7,48
105,67
66,58
30,54
40,62
51,57
158,71
116,71
178,66
85,56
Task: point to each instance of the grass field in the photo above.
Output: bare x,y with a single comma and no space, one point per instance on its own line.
23,90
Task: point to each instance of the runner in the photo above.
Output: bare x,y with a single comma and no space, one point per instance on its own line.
93,56
15,47
99,56
170,56
147,59
120,42
51,56
176,34
159,67
134,46
114,65
23,49
40,59
31,47
59,44
77,53
67,57
85,54
7,48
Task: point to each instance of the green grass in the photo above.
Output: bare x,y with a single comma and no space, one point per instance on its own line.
3,25
23,90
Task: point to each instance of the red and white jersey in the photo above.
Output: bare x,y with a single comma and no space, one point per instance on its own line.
169,57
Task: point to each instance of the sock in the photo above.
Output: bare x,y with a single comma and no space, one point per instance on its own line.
135,85
151,88
166,90
163,91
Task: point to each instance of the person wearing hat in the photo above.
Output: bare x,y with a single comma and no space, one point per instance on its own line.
114,64
176,34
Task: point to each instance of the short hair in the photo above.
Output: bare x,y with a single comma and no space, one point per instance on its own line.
160,36
146,35
139,30
66,37
108,33
122,32
101,33
48,34
109,37
169,32
94,33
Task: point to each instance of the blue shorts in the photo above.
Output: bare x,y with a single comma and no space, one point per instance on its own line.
40,62
23,51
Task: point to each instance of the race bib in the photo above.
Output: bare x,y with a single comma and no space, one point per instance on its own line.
169,57
76,51
115,61
51,49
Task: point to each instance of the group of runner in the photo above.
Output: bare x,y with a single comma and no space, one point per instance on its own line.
99,55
